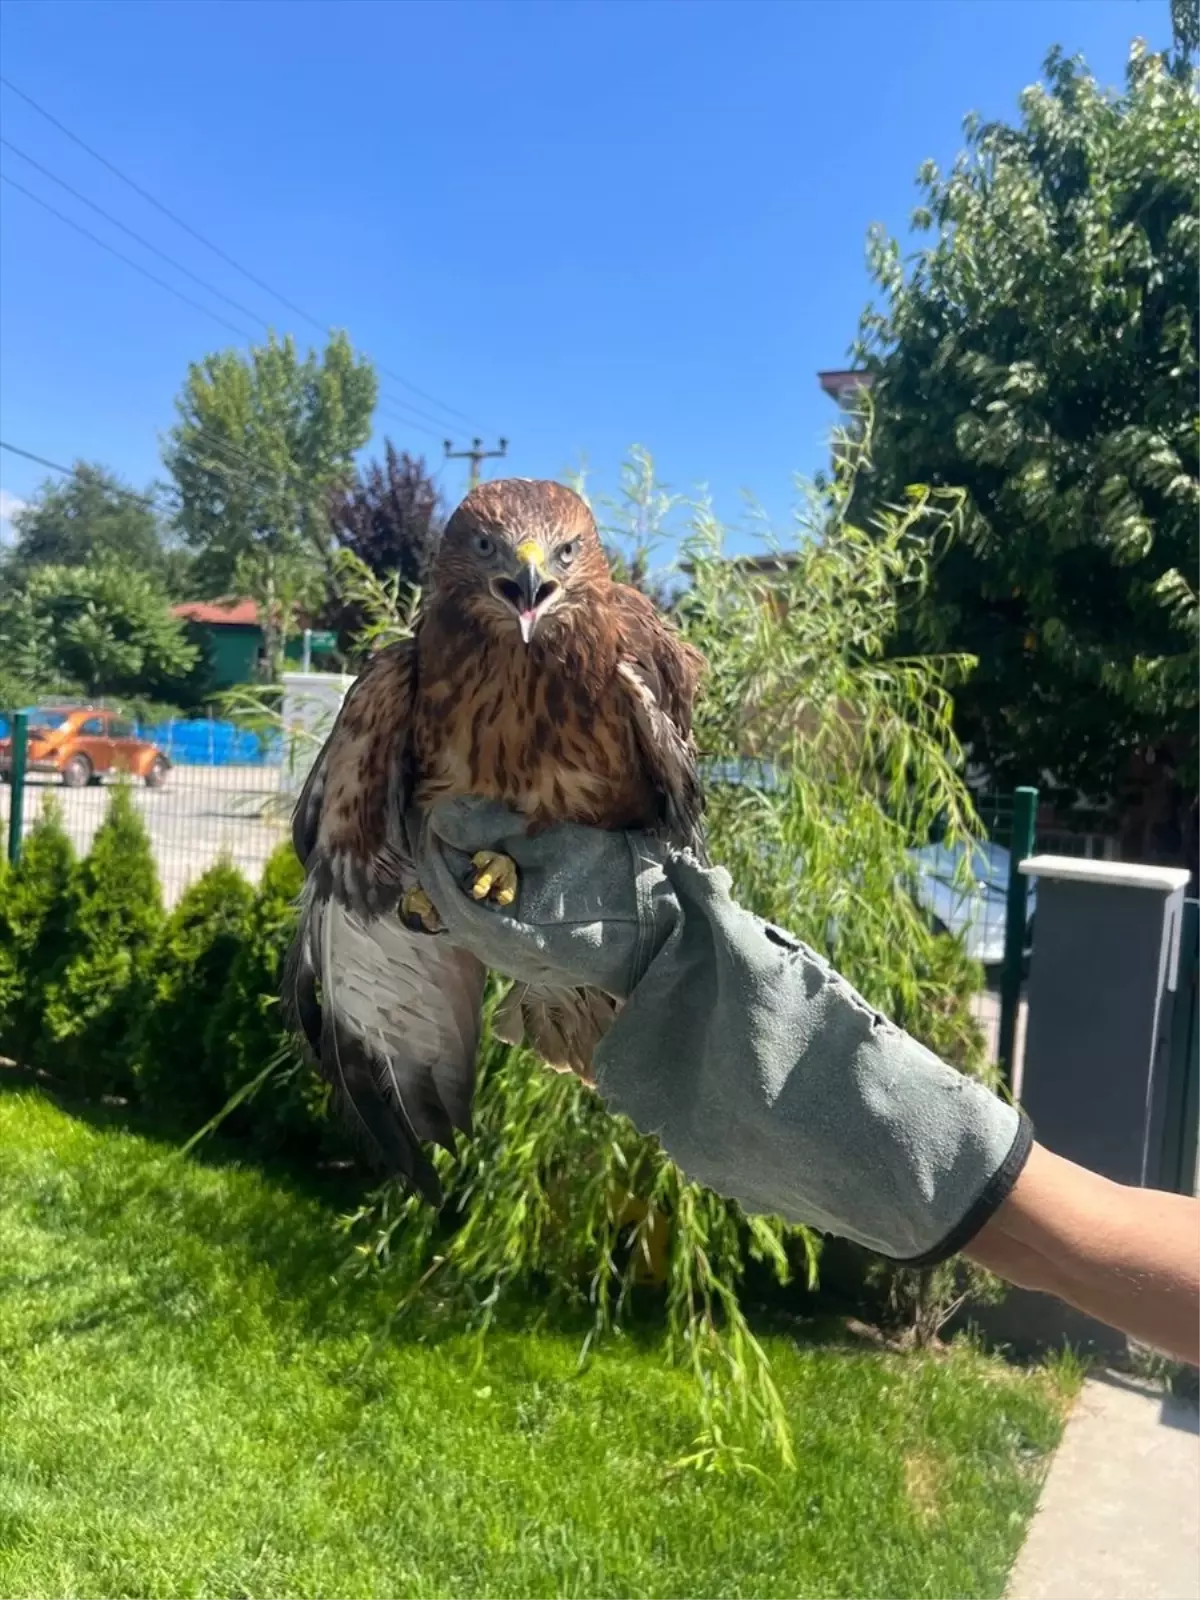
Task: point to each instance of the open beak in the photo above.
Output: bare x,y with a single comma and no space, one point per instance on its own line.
530,591
529,585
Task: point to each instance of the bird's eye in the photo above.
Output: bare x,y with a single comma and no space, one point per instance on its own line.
566,552
484,545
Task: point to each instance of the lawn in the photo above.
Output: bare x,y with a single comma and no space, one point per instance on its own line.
190,1404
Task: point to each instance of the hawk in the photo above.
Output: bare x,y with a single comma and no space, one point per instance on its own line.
531,678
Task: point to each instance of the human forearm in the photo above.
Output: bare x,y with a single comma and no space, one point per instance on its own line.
1125,1256
768,1078
764,1075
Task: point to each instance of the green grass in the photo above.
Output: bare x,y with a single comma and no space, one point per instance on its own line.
191,1405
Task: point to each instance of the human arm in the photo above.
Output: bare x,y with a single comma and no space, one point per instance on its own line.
766,1077
1129,1257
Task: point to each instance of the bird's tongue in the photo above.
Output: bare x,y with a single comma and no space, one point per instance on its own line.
527,619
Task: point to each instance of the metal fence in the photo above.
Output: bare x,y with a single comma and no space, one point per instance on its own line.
229,794
977,893
201,741
201,814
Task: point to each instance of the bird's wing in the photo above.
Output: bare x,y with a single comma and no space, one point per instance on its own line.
661,671
391,1016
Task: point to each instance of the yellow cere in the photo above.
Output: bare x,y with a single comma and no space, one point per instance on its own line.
529,552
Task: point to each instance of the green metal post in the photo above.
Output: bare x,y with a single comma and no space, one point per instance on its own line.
1024,821
16,778
1181,1121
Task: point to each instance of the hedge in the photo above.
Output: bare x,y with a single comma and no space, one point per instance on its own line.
109,995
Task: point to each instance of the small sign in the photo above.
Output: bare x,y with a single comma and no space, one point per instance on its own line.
322,639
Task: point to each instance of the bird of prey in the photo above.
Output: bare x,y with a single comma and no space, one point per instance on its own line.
531,678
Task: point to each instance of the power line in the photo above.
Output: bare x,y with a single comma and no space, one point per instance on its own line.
322,328
217,469
226,445
395,416
407,421
137,237
158,204
221,470
74,472
258,474
128,260
170,260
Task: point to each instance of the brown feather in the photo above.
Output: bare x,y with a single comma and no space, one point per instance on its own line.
589,722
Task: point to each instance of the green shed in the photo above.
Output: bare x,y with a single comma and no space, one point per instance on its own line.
231,637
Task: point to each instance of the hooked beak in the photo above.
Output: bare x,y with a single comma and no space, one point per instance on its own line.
529,583
529,593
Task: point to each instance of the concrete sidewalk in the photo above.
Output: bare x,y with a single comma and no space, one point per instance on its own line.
1119,1517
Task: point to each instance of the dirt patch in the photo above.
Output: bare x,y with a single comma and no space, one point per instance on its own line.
923,1484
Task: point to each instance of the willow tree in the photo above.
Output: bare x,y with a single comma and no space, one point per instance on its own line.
837,757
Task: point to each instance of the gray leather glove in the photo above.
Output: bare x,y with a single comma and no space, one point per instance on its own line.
764,1075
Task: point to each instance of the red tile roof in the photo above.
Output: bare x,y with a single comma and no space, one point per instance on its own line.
235,613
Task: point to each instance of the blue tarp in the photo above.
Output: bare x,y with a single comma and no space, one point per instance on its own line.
213,744
202,743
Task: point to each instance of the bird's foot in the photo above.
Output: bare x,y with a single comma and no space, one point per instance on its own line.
418,912
494,878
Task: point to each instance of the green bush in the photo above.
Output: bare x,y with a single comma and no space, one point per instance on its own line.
93,995
246,1034
36,900
186,976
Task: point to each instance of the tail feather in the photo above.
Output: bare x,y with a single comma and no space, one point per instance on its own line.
563,1026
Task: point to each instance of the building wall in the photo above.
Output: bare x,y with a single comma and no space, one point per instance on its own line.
231,650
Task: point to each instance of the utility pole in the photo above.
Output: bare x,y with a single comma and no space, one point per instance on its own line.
475,455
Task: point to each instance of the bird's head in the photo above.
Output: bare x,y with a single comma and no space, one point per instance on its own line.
520,554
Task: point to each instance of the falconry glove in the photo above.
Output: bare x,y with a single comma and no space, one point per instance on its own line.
764,1075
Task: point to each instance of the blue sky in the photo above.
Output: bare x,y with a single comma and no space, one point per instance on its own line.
582,225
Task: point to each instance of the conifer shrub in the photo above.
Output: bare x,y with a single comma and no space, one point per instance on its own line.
36,901
186,976
94,990
247,1040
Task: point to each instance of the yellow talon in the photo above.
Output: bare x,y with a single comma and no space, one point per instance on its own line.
495,877
419,912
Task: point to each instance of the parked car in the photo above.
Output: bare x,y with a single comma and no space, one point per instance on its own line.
82,744
979,913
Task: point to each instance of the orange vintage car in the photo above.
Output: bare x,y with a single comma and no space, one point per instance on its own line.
83,744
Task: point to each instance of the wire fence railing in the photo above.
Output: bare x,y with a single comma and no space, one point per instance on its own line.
199,815
198,741
208,789
974,891
229,792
